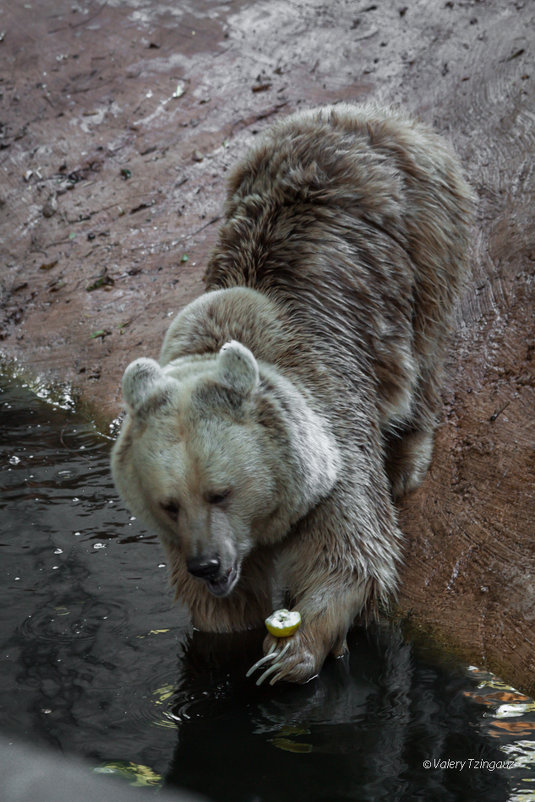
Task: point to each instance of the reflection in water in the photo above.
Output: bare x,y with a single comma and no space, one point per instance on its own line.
89,643
362,730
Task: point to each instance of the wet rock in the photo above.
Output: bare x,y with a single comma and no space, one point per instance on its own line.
471,523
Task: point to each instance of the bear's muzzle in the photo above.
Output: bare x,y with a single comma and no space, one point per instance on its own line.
204,567
220,581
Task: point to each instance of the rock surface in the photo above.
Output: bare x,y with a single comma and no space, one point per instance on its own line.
119,121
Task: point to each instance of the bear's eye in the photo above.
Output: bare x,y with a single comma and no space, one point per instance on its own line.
217,498
171,509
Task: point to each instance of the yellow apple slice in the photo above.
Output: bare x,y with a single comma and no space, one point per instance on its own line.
283,623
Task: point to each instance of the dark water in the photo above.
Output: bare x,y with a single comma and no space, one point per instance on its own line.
96,661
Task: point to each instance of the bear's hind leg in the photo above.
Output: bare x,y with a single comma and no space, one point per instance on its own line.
407,458
408,447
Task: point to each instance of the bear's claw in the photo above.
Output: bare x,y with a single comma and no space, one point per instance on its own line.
271,655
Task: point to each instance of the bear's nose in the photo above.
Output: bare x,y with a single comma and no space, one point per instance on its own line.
203,567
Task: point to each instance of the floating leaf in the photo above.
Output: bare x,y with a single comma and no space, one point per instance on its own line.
285,739
288,745
164,693
135,773
153,632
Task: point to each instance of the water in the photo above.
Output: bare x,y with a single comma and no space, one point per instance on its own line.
96,661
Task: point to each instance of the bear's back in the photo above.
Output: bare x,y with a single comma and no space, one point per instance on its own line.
352,196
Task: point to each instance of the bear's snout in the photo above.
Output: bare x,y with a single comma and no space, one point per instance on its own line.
204,567
219,579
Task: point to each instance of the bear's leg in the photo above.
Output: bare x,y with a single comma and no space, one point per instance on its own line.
407,459
326,620
408,451
299,658
340,561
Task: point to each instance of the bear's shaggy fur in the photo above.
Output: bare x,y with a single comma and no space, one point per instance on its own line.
298,396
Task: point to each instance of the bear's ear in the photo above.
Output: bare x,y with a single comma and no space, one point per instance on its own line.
140,380
237,368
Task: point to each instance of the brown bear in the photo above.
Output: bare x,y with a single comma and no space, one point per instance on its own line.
297,398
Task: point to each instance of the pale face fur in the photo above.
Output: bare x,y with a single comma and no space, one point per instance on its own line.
195,464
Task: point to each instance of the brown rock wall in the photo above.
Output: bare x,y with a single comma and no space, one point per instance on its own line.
118,122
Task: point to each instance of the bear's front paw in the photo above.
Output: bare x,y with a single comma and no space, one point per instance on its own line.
289,658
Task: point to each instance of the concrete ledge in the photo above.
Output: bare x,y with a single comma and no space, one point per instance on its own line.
38,775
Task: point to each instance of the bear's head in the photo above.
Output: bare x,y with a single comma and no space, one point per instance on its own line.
199,460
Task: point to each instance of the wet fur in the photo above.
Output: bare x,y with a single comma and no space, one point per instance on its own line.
338,265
